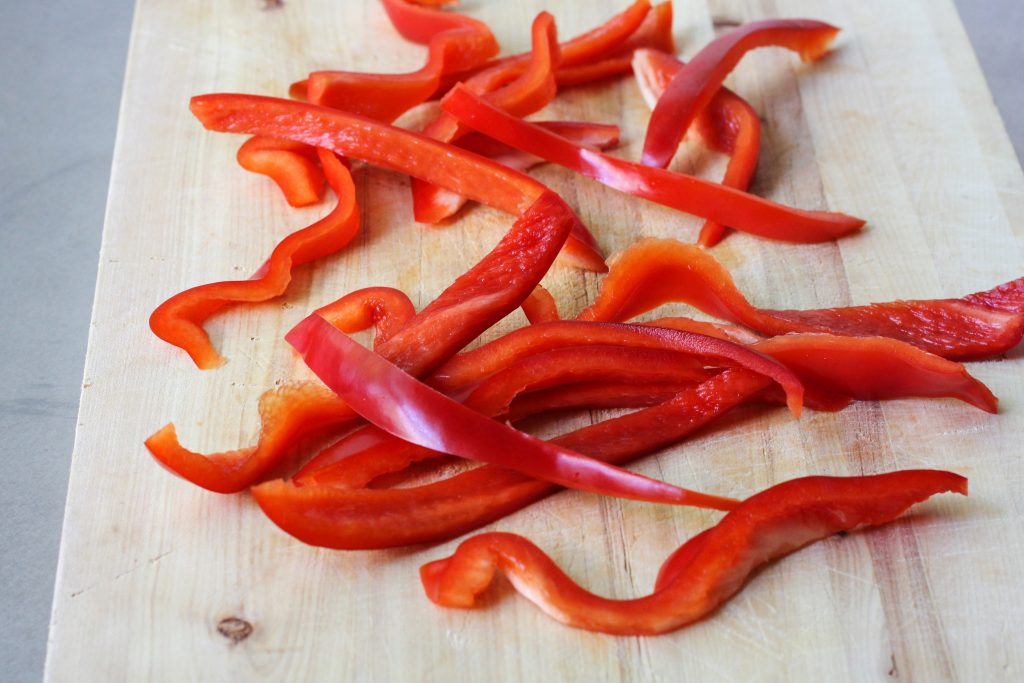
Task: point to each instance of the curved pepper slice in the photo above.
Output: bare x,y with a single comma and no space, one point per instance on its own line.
654,272
702,574
392,148
293,166
397,403
179,320
455,42
387,309
475,301
540,306
382,518
728,124
692,88
686,193
520,92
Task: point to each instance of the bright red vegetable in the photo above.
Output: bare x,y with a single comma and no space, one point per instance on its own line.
716,202
728,124
293,166
655,272
397,403
703,573
382,518
692,88
393,148
179,320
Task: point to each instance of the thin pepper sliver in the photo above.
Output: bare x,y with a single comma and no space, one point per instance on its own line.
693,195
695,85
653,272
703,573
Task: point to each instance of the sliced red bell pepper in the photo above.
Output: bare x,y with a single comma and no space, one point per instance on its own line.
654,272
455,43
333,517
692,88
728,124
522,93
393,148
293,166
540,306
655,32
385,308
702,574
474,302
723,204
439,203
394,401
179,320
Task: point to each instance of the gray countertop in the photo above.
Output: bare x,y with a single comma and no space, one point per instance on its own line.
61,66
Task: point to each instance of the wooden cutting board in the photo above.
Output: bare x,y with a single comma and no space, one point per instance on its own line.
896,125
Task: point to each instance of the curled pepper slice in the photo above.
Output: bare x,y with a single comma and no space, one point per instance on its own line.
179,320
654,272
293,166
410,410
703,573
693,195
692,88
727,124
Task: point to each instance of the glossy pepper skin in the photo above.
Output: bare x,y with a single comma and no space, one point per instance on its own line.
179,320
695,85
392,148
654,272
693,195
293,166
365,518
727,124
706,571
483,295
395,402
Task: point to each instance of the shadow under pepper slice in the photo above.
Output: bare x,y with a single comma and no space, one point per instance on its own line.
702,574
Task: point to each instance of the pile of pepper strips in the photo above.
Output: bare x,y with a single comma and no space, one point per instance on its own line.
418,398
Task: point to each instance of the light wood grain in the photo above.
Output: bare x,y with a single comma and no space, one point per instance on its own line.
897,126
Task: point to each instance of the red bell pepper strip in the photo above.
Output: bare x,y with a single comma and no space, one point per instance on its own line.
522,94
385,308
442,203
686,193
291,165
728,124
456,43
654,272
393,148
540,306
179,320
332,517
693,87
702,574
404,407
475,301
655,32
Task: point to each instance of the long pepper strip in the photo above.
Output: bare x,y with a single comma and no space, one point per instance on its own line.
702,574
383,518
179,320
475,301
693,195
293,166
694,86
397,403
654,272
728,124
392,148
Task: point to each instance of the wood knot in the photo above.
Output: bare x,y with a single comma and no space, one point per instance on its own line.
234,629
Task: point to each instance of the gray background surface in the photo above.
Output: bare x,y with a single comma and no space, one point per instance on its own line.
61,68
